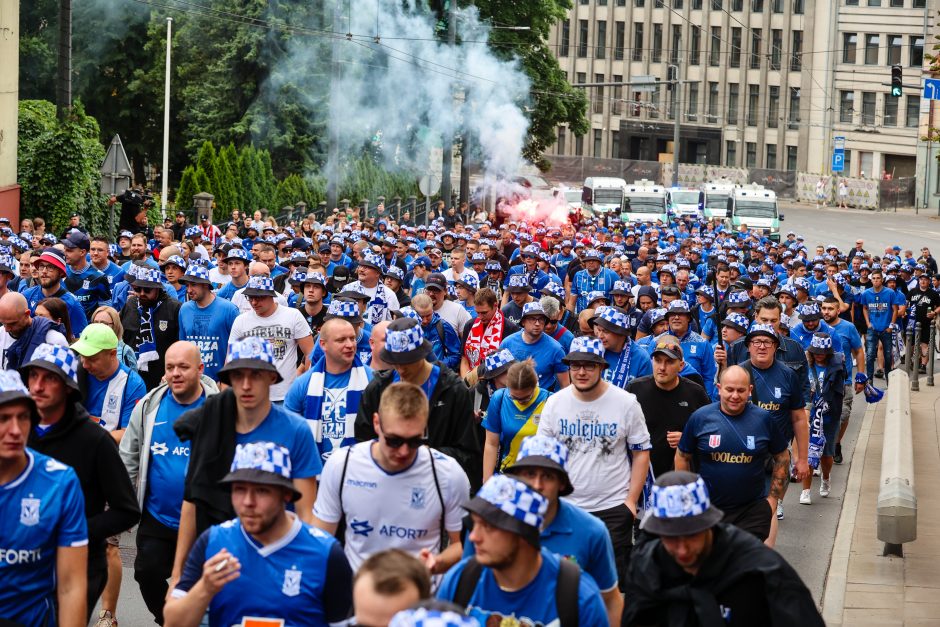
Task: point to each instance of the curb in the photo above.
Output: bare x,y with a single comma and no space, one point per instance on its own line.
833,603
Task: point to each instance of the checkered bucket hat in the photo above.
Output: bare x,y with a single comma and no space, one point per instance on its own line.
404,342
262,462
586,348
511,505
253,353
57,359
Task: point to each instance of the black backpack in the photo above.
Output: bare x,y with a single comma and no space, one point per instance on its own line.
566,588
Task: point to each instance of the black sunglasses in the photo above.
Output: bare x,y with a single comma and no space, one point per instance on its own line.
395,441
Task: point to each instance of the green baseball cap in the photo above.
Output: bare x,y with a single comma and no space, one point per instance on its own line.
95,338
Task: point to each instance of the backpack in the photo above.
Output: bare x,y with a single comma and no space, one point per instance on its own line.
566,588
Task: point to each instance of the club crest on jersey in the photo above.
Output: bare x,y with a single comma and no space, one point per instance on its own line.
777,392
164,324
113,401
29,511
86,284
714,441
291,585
417,498
750,442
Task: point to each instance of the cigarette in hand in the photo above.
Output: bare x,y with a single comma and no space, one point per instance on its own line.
221,565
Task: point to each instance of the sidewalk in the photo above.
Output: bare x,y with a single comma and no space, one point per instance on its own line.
863,587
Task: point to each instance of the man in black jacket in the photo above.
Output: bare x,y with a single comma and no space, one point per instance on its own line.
451,426
690,569
151,324
65,433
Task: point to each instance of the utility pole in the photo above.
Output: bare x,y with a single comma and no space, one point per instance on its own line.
332,151
448,140
165,172
676,112
64,81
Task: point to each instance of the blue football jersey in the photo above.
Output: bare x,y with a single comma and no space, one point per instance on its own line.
40,510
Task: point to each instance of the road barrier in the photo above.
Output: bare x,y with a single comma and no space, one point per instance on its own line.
897,502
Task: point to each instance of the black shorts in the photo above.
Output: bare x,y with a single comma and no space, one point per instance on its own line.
753,518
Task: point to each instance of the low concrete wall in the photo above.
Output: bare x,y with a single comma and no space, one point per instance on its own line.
897,501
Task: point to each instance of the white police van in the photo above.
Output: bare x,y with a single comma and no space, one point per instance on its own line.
644,201
756,208
717,194
601,195
686,201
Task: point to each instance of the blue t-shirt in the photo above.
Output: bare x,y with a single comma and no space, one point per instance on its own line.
290,430
534,604
778,390
34,295
166,474
640,363
90,287
547,354
228,290
506,418
879,305
40,510
134,390
851,341
114,274
209,328
731,451
302,579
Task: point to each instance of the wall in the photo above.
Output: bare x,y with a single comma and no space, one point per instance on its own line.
9,96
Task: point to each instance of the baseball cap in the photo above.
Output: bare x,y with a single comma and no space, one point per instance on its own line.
669,346
77,239
95,338
436,281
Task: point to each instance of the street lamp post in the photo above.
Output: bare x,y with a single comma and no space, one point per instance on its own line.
165,171
676,86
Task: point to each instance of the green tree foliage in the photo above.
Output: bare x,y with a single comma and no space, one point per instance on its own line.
290,191
187,189
59,165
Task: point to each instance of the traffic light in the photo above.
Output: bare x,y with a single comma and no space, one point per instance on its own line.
896,81
672,75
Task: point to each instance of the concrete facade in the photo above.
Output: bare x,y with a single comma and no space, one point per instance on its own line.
9,98
766,80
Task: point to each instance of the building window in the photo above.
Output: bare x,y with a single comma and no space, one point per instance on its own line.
796,51
656,54
692,109
771,162
619,36
897,4
798,7
731,153
777,6
753,97
637,41
716,5
751,155
791,158
891,112
712,116
696,5
848,163
598,142
598,97
714,53
676,45
773,106
581,78
579,145
565,39
846,109
868,108
616,105
733,89
874,3
654,103
615,144
871,49
917,52
757,6
635,107
913,111
600,43
695,49
561,140
639,3
794,114
894,49
776,45
851,3
737,5
919,4
755,48
849,44
582,38
602,3
734,60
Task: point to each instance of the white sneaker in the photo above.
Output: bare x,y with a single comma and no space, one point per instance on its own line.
805,498
780,509
824,488
816,472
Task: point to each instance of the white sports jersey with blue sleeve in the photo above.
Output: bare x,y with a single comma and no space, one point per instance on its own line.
40,510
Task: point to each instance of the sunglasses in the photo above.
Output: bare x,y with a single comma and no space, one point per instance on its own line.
395,441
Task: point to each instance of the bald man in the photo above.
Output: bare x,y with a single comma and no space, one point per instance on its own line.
21,333
377,343
255,268
156,462
328,394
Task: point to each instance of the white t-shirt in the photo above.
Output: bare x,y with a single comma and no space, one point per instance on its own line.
7,340
382,304
391,511
597,435
241,301
282,328
452,276
455,314
218,278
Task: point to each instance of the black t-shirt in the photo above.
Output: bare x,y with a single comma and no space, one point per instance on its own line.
922,302
132,201
666,411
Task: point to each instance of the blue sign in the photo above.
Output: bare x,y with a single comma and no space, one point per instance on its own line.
932,89
838,161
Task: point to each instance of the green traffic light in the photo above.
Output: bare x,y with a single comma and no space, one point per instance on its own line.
896,92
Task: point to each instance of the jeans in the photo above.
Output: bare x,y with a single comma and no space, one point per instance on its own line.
872,339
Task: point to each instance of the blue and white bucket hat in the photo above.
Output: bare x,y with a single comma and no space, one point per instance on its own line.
594,255
469,281
196,273
586,348
395,272
621,288
316,278
260,285
678,307
175,260
12,389
820,344
511,505
736,321
738,299
370,260
253,353
765,330
679,505
542,451
518,283
612,319
266,463
809,311
424,617
148,277
58,360
404,342
193,231
497,363
532,309
597,295
554,289
239,254
346,309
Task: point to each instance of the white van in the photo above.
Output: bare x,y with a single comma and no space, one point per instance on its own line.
717,194
686,201
601,195
756,208
644,201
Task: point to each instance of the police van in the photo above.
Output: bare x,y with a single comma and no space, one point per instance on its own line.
601,195
756,208
686,201
716,198
644,201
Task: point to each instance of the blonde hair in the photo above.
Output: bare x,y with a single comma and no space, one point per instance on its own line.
405,401
112,313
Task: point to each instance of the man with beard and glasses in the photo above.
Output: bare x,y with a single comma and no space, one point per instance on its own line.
230,569
50,268
151,324
602,425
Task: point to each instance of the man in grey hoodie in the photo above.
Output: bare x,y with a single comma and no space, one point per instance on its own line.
156,462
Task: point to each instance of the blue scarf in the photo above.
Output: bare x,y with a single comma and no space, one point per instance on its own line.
621,373
325,432
146,346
